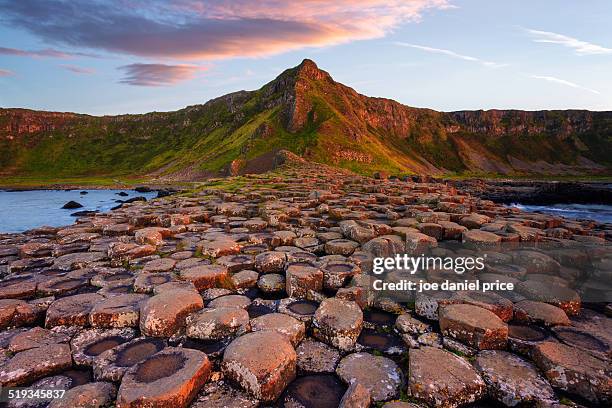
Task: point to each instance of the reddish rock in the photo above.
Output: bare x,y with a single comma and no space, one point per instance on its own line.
35,363
164,314
474,326
170,378
456,385
72,310
205,276
263,363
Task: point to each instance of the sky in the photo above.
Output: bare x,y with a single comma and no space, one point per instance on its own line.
135,56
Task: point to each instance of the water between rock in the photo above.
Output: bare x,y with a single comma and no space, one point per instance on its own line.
23,210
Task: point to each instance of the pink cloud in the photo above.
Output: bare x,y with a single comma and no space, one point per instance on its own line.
46,53
157,74
6,72
78,70
189,29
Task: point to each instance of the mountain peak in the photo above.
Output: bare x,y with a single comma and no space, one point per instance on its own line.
309,69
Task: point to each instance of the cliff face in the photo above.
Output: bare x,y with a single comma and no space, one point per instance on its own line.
306,111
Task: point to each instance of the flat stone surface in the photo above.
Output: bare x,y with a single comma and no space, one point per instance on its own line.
35,337
474,326
529,311
217,323
205,276
92,395
164,314
237,301
338,323
301,279
316,357
442,379
512,380
117,311
35,363
72,310
379,375
289,327
262,363
169,378
575,371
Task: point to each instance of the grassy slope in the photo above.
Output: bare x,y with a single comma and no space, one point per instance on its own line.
209,137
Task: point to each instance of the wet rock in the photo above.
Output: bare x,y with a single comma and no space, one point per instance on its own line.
35,363
164,314
287,326
593,341
379,375
72,310
112,364
316,357
218,323
522,339
263,363
474,326
71,205
117,311
89,344
574,371
338,323
455,385
321,391
93,395
169,378
512,380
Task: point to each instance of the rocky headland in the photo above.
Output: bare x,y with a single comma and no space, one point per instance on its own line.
255,291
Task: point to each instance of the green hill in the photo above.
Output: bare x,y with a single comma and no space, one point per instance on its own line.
305,111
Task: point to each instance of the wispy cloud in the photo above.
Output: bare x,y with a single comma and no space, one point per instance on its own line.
210,29
157,74
78,70
452,54
580,47
45,53
6,72
564,82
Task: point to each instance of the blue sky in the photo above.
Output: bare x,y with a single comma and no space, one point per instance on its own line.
133,56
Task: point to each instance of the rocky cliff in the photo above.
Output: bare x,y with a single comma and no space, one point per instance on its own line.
306,111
